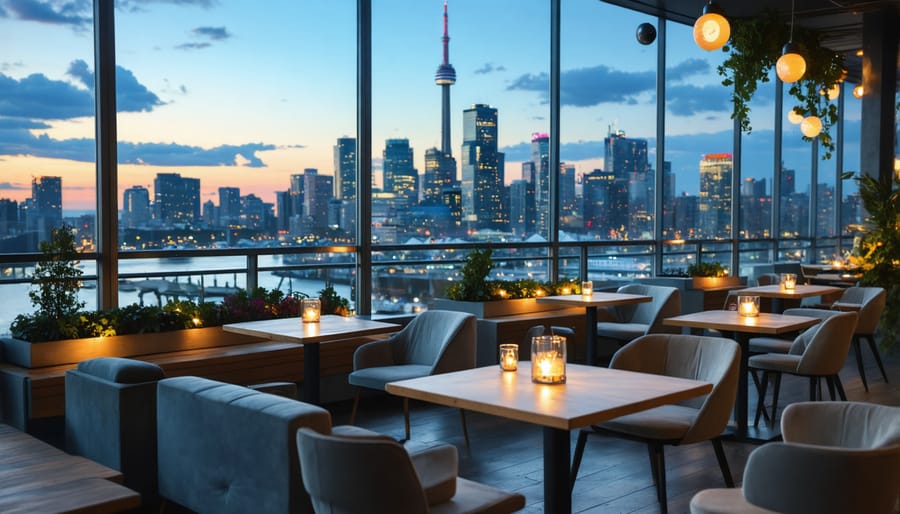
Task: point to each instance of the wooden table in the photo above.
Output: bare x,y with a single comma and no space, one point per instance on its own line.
740,328
330,328
36,477
590,304
590,395
777,293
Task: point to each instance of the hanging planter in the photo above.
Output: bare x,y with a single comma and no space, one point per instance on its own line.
756,45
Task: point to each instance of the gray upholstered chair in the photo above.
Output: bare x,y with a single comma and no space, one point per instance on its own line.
433,342
111,417
868,302
712,359
837,457
621,324
779,345
767,279
346,475
819,352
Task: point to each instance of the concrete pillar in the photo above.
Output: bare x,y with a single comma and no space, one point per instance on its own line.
879,76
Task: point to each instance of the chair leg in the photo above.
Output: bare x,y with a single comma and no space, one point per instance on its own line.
859,362
830,382
465,428
776,390
406,418
761,387
840,387
660,458
723,461
579,453
813,382
654,464
877,354
355,405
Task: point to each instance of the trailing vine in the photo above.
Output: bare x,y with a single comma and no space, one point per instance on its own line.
754,48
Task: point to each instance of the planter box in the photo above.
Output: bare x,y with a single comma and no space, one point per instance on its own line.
71,351
715,282
496,308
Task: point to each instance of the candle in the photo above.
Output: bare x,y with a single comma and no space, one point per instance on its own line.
587,288
748,306
310,309
566,290
548,360
788,281
509,357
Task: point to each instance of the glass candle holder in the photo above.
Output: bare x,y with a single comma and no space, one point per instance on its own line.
310,310
509,357
587,288
788,281
748,306
548,360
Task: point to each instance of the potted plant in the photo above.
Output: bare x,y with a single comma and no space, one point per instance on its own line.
877,251
711,275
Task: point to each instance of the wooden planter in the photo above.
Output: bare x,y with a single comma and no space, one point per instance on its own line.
715,282
496,308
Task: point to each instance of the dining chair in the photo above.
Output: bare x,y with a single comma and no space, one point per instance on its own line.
711,359
837,457
623,323
868,302
819,352
768,344
359,474
435,341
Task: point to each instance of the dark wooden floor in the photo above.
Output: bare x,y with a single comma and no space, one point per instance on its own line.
615,474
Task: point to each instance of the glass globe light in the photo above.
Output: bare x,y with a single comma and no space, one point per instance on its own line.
858,91
711,30
833,92
811,126
790,66
794,117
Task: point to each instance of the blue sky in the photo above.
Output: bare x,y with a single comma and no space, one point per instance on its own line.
245,93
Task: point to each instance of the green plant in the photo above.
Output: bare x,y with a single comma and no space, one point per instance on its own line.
473,287
332,302
707,269
754,48
877,251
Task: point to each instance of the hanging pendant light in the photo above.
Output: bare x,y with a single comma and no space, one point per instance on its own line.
858,91
791,65
712,30
811,126
833,92
794,117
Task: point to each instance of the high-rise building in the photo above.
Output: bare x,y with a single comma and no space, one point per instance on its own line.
518,207
176,199
135,207
631,194
45,212
440,172
283,205
567,204
482,171
715,195
400,177
345,169
445,77
9,217
229,214
540,158
596,212
318,190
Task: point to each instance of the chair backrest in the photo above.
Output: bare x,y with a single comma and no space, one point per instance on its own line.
869,301
767,279
444,340
711,359
826,350
666,303
837,457
804,338
347,474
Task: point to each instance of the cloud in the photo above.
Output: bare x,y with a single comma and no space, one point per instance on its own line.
213,33
687,69
192,46
77,13
37,97
585,87
489,67
131,95
683,100
11,186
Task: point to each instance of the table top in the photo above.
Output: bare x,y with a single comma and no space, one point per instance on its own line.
590,395
329,328
776,291
731,321
598,299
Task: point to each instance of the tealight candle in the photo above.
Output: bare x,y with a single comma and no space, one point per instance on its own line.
509,357
566,290
310,310
788,281
748,306
548,360
587,288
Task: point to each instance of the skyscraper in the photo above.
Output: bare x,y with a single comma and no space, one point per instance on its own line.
715,195
45,212
400,177
630,196
345,184
482,171
229,206
176,199
540,157
135,207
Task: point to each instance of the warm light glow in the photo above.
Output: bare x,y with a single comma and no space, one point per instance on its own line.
790,67
858,91
811,126
548,360
833,92
566,290
711,31
501,293
859,53
509,357
310,310
748,306
587,288
788,281
794,117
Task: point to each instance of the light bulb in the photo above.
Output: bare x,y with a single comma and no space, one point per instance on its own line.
811,126
833,92
858,91
711,30
794,117
790,66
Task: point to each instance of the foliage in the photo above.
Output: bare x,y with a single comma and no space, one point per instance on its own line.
754,48
258,304
474,286
332,302
707,269
877,252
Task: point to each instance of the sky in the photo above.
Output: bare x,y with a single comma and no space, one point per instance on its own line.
243,93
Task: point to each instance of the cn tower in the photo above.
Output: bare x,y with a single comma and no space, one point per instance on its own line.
445,77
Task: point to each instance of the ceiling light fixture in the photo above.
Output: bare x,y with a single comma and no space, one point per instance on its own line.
791,65
858,91
794,117
811,126
712,30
